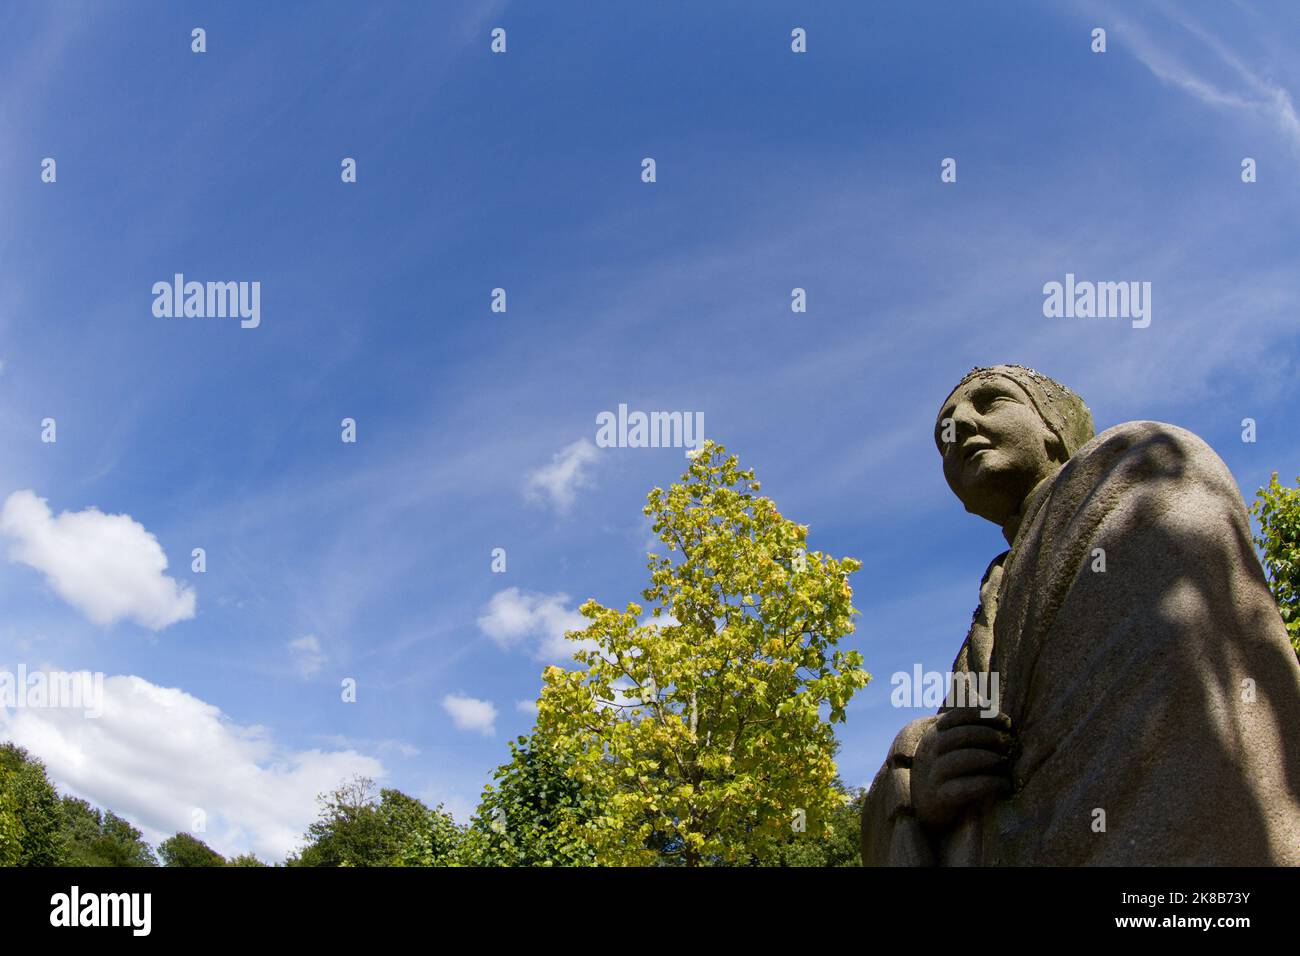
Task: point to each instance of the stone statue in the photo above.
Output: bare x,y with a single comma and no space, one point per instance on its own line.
1149,707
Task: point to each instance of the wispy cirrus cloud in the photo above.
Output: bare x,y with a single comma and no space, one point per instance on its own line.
308,658
1250,90
569,470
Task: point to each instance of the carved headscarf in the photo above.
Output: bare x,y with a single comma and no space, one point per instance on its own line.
1061,410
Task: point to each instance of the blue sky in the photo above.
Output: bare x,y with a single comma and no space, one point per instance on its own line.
371,560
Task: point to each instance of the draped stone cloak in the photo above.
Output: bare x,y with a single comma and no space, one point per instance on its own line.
1155,704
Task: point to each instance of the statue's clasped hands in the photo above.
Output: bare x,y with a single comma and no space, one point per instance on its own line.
963,759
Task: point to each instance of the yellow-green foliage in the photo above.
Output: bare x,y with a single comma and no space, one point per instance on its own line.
701,722
1278,509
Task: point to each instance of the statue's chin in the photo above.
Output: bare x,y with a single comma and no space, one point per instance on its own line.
995,493
999,516
991,501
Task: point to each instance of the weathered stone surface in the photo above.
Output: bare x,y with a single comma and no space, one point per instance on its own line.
1161,691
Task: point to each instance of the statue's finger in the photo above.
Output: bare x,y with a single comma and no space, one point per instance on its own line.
956,717
960,716
964,790
972,735
971,761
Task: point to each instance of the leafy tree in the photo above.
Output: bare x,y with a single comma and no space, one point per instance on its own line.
358,828
29,811
533,814
348,829
244,859
1278,509
11,833
186,850
830,842
420,835
123,844
92,838
703,724
81,828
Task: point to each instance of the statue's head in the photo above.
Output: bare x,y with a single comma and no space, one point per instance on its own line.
1001,431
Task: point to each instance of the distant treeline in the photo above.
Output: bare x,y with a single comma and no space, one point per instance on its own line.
526,819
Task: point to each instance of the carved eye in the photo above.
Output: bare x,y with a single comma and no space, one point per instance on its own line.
988,399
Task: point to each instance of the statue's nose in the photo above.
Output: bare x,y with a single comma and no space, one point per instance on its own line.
963,420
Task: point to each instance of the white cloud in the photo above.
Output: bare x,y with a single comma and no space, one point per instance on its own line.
158,754
106,566
514,617
307,656
526,707
470,713
559,481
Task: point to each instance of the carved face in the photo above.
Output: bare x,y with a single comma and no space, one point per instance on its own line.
1000,448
